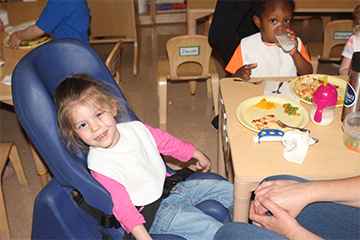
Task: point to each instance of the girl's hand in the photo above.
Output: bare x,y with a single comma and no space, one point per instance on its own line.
245,71
203,162
293,37
292,196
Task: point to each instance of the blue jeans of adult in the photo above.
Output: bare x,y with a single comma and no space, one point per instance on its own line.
178,215
327,220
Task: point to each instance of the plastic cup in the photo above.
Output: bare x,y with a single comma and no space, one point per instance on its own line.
4,14
284,40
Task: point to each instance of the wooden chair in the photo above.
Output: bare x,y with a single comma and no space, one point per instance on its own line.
9,151
113,63
113,20
336,34
189,58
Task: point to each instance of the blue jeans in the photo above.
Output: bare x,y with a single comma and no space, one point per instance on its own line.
178,215
327,220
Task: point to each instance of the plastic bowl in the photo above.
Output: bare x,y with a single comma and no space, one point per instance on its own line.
351,126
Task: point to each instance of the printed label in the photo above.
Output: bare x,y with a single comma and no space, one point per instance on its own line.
342,35
350,96
189,51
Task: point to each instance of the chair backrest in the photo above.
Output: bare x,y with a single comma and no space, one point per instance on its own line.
189,57
112,20
336,33
33,83
113,61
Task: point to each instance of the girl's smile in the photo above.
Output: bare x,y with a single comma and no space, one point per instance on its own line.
96,128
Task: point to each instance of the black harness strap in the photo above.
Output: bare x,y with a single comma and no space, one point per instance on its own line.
149,211
107,221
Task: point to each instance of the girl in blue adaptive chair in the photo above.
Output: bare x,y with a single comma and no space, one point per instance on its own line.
125,158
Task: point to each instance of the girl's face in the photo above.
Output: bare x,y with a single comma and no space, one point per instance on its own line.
96,127
275,14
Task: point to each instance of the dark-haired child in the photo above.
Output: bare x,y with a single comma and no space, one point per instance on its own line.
260,55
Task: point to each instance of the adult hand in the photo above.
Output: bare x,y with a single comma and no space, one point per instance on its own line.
245,71
280,221
290,195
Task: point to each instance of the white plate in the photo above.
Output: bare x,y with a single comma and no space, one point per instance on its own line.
339,83
246,112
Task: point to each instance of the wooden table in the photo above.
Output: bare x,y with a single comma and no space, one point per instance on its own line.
20,12
251,162
201,8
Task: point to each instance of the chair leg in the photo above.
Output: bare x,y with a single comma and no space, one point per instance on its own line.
162,92
208,87
215,91
192,87
40,167
135,57
9,151
315,62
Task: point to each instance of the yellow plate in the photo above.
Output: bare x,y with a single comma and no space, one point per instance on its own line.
246,112
336,82
28,44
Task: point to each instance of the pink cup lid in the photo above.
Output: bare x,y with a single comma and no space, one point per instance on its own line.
324,96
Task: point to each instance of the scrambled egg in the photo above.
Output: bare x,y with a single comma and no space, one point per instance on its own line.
265,105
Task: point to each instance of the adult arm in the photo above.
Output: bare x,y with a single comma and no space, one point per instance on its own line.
179,149
29,33
294,196
124,210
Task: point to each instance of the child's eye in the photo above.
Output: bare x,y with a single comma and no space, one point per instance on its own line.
287,21
82,126
273,21
99,114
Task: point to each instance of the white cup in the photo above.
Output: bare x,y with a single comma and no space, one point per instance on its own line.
4,14
285,41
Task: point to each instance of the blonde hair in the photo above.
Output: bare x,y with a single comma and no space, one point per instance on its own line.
357,20
83,90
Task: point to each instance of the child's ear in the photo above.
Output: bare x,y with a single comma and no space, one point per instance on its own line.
257,21
114,107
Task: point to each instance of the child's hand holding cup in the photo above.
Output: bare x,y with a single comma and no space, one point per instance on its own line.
281,35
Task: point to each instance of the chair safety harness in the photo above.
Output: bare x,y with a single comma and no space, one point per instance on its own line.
149,211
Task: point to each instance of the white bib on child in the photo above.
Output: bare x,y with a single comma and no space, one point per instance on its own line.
134,162
271,59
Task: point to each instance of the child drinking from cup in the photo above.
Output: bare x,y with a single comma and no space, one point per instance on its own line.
260,55
125,158
352,45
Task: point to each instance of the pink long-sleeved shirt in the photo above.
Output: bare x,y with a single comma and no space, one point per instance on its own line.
124,210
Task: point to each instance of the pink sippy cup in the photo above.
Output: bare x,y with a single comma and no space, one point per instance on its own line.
324,102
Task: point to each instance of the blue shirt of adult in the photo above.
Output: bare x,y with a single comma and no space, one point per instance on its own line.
66,19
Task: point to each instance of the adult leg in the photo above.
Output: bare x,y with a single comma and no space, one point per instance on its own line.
245,231
178,215
327,220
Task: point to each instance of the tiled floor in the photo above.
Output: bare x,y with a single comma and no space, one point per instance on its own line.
189,116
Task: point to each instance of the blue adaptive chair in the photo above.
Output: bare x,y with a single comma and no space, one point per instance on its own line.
56,214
